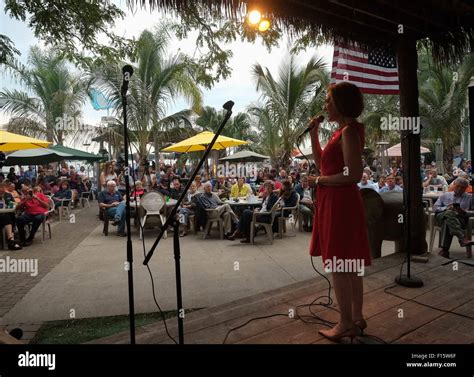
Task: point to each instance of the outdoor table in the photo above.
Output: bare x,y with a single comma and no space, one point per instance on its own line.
432,197
242,204
7,210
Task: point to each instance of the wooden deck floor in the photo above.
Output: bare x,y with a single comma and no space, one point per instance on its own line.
447,286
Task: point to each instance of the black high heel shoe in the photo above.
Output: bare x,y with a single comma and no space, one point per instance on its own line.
361,324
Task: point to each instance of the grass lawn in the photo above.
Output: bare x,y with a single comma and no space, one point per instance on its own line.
77,331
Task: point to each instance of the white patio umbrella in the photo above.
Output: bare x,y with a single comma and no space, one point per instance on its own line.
396,150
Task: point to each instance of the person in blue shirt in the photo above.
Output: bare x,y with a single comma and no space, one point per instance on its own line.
30,174
114,205
390,186
365,183
63,193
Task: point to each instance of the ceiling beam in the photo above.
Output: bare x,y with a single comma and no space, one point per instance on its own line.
350,20
373,15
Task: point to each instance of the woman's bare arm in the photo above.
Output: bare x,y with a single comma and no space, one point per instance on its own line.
315,145
352,152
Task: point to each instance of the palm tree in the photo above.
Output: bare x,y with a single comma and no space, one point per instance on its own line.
288,101
443,95
270,139
377,107
54,94
157,82
238,127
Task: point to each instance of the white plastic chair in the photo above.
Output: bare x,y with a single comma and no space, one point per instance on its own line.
214,217
152,202
293,216
65,207
268,226
46,220
85,198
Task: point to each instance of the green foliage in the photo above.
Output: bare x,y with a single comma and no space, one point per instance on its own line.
443,96
289,100
77,331
159,79
376,107
53,91
72,27
238,126
7,49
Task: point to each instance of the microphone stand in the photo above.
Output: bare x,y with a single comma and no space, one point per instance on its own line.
172,220
408,280
131,304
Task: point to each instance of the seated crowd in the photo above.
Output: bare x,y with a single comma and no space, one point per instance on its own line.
27,194
209,193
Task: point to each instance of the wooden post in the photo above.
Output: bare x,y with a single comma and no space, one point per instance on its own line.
407,69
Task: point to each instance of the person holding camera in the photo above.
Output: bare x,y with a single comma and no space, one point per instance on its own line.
35,205
452,211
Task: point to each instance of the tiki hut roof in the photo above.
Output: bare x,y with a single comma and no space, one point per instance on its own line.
447,25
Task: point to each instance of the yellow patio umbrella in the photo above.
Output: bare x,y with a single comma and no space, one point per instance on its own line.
13,142
200,141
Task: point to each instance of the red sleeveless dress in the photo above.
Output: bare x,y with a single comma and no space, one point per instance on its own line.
339,228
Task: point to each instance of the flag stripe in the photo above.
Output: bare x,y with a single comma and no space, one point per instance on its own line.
364,73
363,85
379,83
351,54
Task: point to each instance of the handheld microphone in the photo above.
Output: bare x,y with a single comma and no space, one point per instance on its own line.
127,72
320,119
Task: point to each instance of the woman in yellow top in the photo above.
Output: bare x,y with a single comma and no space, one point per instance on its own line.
11,189
240,189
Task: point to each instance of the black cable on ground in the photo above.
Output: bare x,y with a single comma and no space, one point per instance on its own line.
305,318
426,305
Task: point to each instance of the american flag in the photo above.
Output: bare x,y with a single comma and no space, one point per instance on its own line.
374,71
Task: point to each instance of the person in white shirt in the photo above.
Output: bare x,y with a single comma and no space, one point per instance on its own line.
435,180
82,172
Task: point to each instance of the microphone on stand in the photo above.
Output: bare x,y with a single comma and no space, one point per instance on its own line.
127,72
319,119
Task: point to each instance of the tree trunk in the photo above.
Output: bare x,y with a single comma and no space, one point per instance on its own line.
407,68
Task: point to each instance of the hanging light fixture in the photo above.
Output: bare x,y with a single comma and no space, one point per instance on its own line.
256,19
264,25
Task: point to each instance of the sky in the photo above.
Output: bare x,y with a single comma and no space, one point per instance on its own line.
239,87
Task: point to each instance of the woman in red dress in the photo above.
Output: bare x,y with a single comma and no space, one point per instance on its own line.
339,232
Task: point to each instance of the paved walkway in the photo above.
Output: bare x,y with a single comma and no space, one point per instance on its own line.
82,273
65,238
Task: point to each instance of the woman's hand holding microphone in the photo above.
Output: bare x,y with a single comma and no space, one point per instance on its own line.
314,124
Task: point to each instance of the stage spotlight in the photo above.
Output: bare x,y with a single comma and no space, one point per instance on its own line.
254,17
264,25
